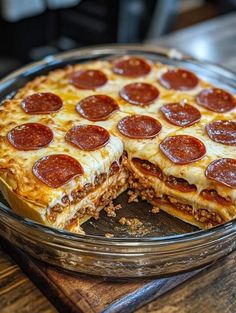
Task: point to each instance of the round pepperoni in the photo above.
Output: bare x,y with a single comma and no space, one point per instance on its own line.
57,169
183,149
139,127
222,132
179,79
180,114
30,136
97,107
139,93
88,137
88,79
41,103
216,100
222,171
148,168
131,67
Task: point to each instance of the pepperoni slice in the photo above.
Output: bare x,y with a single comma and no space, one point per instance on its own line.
41,103
180,114
131,67
179,79
216,100
183,149
139,93
88,137
88,79
148,168
212,195
179,184
139,127
222,171
222,132
97,107
57,169
30,136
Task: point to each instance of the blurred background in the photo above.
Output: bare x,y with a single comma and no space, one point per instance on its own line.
33,29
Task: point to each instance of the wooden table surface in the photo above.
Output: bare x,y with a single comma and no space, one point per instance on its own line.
213,290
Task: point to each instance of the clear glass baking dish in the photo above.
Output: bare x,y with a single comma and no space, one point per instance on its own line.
167,246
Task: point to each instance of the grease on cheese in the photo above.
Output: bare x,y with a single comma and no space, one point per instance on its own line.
16,166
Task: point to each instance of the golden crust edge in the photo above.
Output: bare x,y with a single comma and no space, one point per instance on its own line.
20,205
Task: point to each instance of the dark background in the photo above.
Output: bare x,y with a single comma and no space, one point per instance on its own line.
96,22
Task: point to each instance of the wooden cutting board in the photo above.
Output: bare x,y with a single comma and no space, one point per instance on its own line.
70,292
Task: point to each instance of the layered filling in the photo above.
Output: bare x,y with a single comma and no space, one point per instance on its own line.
87,201
149,182
176,196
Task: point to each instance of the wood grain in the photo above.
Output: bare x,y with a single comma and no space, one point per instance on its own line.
211,291
76,293
17,292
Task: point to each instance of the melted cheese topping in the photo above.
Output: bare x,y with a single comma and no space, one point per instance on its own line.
16,166
19,165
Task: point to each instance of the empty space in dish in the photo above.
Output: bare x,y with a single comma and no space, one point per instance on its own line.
148,224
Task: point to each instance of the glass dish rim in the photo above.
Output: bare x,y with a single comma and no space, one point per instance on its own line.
141,241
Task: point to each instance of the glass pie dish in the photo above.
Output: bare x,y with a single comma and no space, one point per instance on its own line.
165,245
